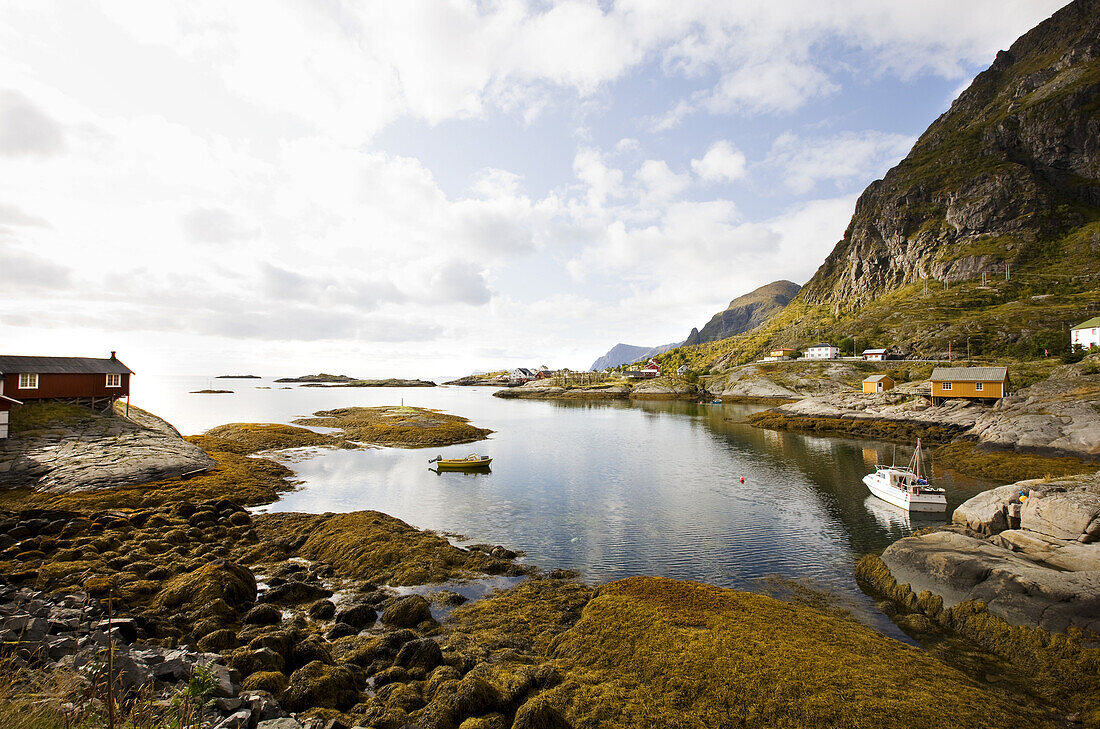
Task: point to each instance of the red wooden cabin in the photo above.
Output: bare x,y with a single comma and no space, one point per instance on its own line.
67,378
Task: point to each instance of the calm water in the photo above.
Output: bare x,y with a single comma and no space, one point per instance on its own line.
612,489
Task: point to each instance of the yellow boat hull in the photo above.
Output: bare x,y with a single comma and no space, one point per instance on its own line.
464,463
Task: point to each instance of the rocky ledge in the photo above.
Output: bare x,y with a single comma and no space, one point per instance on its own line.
77,449
1033,560
659,388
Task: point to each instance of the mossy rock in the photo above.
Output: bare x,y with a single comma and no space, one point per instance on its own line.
539,714
320,685
273,682
489,721
218,641
407,612
218,580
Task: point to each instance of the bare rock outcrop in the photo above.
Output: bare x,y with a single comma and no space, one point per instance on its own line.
1060,415
98,451
1034,561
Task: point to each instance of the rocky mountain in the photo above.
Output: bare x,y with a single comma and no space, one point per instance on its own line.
1005,176
986,236
745,312
622,354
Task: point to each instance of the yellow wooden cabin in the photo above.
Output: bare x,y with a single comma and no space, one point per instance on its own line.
974,383
878,383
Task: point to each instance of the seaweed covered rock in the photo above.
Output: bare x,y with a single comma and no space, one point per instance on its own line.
643,649
423,654
217,580
318,684
407,612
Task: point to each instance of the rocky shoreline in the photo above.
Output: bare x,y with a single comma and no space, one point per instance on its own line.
1051,426
659,388
285,621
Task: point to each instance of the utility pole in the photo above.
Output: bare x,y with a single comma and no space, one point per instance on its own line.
949,351
968,350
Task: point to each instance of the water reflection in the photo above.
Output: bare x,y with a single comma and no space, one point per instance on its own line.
614,488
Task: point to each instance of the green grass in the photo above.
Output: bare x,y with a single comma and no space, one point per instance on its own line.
36,416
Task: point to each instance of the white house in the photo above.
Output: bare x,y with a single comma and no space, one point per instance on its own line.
874,355
1085,334
682,370
521,375
822,351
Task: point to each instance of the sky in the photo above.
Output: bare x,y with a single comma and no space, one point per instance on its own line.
420,189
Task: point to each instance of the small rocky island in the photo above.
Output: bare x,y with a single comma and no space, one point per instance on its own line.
326,380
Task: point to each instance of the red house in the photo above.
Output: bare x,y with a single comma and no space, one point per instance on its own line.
98,381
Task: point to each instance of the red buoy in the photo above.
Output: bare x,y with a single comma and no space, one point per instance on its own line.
742,479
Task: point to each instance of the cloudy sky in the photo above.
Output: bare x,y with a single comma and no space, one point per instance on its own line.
428,188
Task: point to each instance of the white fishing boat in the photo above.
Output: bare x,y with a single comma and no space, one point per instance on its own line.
905,487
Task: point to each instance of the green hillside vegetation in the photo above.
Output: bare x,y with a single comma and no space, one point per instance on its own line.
1006,181
1025,318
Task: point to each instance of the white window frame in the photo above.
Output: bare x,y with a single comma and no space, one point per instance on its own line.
28,380
979,386
114,380
945,386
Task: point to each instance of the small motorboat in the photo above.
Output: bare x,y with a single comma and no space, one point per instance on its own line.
906,487
471,461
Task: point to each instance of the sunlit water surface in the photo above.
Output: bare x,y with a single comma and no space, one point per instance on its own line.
612,489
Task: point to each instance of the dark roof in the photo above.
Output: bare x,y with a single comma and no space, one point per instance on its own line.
820,344
969,374
12,364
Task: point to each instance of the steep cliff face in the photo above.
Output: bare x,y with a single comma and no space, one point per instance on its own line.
1003,179
745,312
622,354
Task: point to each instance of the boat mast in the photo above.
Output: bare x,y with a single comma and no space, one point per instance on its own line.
915,465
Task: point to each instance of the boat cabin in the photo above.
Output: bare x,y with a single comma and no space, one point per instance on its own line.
973,383
905,480
878,383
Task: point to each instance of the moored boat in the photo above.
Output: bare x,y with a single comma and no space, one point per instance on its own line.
905,487
471,461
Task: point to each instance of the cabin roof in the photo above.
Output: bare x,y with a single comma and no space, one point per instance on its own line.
969,374
12,364
879,378
874,351
822,344
1093,322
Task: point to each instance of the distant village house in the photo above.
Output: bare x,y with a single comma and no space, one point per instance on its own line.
1086,334
651,370
778,355
521,375
822,351
878,383
682,370
874,355
85,380
973,383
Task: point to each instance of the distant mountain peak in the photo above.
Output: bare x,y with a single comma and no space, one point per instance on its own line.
622,354
745,312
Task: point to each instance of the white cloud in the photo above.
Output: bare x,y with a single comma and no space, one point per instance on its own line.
602,181
216,225
722,163
26,130
842,159
660,184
